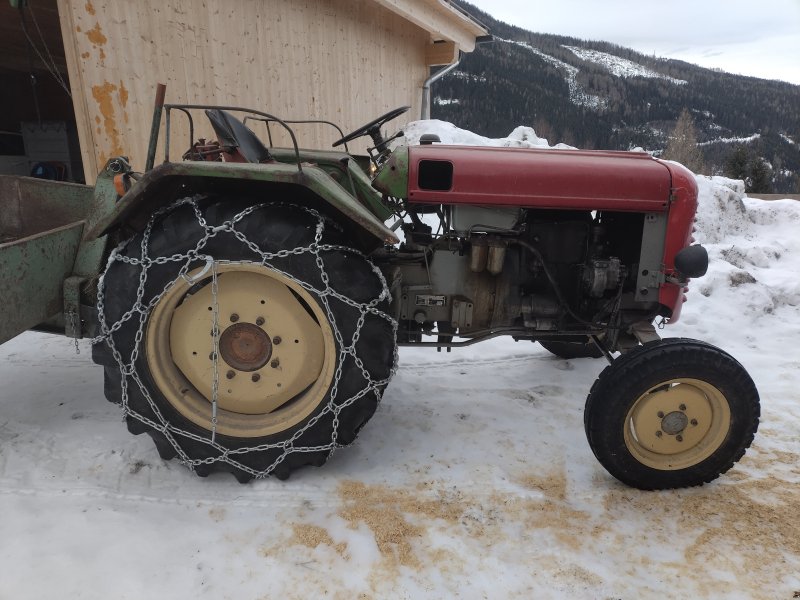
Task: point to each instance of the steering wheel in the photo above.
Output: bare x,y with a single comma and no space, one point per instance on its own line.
373,128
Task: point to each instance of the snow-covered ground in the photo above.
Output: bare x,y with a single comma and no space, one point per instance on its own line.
473,480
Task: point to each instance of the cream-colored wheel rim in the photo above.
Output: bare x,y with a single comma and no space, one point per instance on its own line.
677,424
276,351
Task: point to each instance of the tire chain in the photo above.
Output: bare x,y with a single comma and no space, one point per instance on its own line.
128,368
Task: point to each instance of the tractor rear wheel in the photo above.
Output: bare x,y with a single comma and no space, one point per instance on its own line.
671,413
244,338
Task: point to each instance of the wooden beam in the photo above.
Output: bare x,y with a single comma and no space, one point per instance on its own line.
441,53
438,18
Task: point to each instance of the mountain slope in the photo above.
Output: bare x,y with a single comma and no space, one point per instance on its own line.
599,95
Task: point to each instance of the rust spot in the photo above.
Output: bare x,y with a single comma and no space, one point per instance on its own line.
102,57
103,95
123,94
97,120
123,100
96,36
85,55
78,29
90,8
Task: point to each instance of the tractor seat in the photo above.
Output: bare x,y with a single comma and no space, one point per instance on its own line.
232,132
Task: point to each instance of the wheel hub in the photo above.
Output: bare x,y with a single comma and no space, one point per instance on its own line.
245,347
677,424
257,344
674,423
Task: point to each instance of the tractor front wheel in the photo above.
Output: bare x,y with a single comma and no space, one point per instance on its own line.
672,413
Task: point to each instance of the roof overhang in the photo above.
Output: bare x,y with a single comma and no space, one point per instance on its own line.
441,19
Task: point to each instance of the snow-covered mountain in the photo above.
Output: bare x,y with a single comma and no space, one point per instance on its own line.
598,95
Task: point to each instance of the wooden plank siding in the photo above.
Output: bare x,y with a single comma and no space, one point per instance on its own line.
343,60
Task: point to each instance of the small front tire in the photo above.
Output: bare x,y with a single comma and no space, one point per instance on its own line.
670,414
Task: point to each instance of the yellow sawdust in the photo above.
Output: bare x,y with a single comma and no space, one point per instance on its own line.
389,513
312,536
746,527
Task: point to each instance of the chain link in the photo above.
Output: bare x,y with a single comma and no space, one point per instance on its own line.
74,324
139,312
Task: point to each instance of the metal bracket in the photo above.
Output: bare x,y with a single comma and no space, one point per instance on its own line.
73,325
651,267
461,316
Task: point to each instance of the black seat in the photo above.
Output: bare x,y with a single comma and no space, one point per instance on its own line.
231,131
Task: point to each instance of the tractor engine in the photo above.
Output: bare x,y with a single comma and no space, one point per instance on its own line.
537,244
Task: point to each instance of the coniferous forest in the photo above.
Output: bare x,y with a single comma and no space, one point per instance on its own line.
526,78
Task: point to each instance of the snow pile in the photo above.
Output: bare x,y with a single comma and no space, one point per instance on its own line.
753,247
620,67
521,137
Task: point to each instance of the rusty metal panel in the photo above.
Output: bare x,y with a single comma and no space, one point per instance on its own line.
32,272
29,206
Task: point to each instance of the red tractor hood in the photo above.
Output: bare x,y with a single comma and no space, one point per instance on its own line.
572,179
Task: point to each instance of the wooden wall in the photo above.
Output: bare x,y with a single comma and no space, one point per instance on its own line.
347,61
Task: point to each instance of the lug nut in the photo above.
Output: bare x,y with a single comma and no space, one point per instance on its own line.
276,340
693,422
274,364
682,407
679,438
260,321
255,377
234,318
230,374
658,433
660,415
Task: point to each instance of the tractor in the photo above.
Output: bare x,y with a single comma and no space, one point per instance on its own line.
246,303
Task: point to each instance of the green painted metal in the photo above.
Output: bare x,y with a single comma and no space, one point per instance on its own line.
41,223
32,272
392,177
169,181
346,170
29,206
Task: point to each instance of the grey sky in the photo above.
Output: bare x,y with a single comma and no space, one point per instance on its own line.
759,38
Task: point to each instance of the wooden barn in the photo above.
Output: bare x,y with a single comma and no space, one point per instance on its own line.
342,60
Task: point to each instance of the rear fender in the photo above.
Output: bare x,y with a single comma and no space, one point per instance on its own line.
311,187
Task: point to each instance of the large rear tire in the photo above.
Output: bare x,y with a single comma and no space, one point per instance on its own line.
244,338
672,413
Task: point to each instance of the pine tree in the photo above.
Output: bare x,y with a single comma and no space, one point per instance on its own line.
736,163
760,177
682,146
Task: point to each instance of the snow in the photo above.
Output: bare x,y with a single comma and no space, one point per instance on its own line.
466,76
620,67
446,101
732,140
576,93
520,137
473,480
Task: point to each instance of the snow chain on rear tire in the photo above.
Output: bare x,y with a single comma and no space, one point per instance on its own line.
244,337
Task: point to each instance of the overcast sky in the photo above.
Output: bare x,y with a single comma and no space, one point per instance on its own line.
760,38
